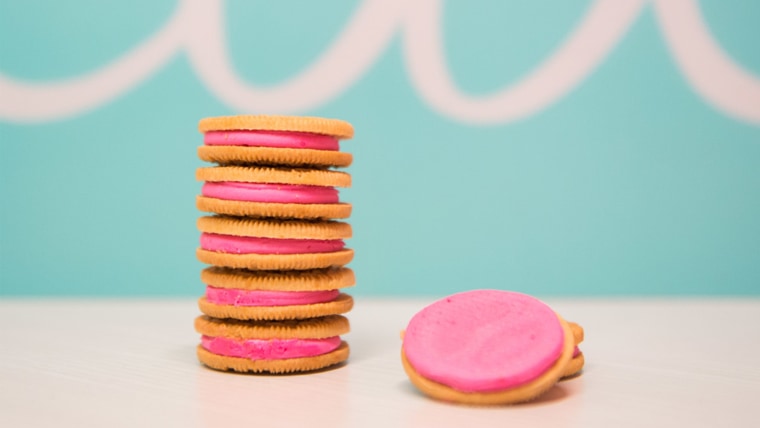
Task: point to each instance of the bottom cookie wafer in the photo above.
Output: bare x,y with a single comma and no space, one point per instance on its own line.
247,155
574,366
271,209
291,365
276,261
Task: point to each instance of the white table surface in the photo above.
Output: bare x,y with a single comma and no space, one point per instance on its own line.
112,363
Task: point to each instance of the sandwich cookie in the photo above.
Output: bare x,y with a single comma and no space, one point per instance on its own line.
486,347
272,346
273,192
275,140
275,295
575,365
271,244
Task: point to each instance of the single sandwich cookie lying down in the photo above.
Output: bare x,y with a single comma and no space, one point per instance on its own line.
486,347
272,346
275,295
575,365
274,140
258,244
273,192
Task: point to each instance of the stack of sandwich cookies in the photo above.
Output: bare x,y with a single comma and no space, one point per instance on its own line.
274,166
278,256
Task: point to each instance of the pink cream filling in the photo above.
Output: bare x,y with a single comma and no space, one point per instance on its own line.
247,245
271,349
277,139
484,340
576,352
226,296
277,193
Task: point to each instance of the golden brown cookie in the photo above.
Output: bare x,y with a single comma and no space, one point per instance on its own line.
257,244
281,175
317,125
275,141
272,346
578,332
271,228
304,158
290,365
342,304
314,328
276,261
574,367
308,280
273,210
244,294
519,394
241,202
482,347
576,364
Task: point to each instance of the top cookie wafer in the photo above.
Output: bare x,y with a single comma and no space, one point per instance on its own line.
316,125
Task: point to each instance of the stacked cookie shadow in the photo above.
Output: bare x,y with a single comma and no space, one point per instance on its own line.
275,243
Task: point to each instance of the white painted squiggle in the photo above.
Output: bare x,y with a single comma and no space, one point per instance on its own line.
361,43
22,101
707,68
599,32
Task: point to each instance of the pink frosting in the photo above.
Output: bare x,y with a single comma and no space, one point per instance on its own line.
278,193
248,244
281,139
272,349
484,340
576,352
227,296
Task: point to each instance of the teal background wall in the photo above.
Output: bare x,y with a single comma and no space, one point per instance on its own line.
630,184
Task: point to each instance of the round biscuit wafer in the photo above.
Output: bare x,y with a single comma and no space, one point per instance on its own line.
574,367
577,330
253,174
278,229
309,280
273,210
578,361
276,261
342,304
312,328
243,155
316,125
290,365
